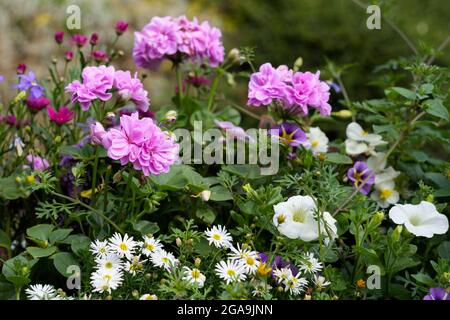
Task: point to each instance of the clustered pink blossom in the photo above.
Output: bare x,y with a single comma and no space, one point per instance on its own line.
295,91
37,163
165,37
139,141
98,83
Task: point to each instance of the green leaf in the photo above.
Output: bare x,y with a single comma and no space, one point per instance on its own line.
40,231
59,235
5,242
37,252
244,171
436,108
406,93
237,217
178,178
17,269
7,291
10,189
444,250
62,260
338,158
206,214
220,193
230,114
79,244
424,278
146,227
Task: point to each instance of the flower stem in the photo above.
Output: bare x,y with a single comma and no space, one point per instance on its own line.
213,90
179,83
94,176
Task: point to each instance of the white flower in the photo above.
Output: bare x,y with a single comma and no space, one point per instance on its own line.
122,246
281,274
328,227
317,140
163,259
422,219
219,236
230,271
148,297
42,292
194,276
377,162
109,262
385,194
100,248
150,245
310,263
134,265
320,282
105,281
386,175
248,258
294,284
360,141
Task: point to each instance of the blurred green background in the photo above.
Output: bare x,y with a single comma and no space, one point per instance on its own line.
279,30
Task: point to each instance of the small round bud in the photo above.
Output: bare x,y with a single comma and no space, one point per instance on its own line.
197,262
135,293
178,242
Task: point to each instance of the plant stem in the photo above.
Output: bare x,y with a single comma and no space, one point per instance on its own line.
179,83
213,90
94,176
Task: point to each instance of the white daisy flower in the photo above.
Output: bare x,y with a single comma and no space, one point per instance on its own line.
148,297
100,248
109,262
230,271
123,247
106,281
194,276
134,265
163,259
42,292
281,274
320,282
248,258
219,236
150,245
317,140
294,284
310,264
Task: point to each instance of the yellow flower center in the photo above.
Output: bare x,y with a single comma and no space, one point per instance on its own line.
216,236
108,265
102,250
149,247
195,273
107,277
150,297
385,194
123,247
414,221
365,133
281,218
165,260
231,272
299,216
250,261
314,143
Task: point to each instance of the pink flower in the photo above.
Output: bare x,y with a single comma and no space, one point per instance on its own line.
37,163
211,48
100,55
79,39
131,89
156,40
59,37
37,104
309,90
265,85
97,132
141,142
61,116
96,83
121,27
232,131
94,39
68,55
21,68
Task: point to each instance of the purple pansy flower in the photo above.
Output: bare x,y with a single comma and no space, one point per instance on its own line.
290,134
29,82
361,176
278,263
437,294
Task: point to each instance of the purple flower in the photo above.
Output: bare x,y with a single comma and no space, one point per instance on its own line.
97,132
94,39
207,44
361,176
29,82
37,163
2,78
290,134
59,37
278,263
121,27
38,103
131,88
265,85
437,294
79,39
308,90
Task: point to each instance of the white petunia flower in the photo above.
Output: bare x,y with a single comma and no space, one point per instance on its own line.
109,262
42,292
148,297
320,282
422,219
150,245
310,264
317,140
219,236
359,141
385,194
194,276
123,247
248,258
163,259
106,281
100,248
230,271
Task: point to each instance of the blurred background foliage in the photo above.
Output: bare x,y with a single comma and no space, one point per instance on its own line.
280,31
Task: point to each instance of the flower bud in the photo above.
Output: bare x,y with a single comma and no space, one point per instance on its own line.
235,56
170,116
206,194
397,232
94,39
307,297
343,114
135,293
68,55
108,297
21,68
59,37
178,242
18,179
378,217
57,139
121,27
30,179
430,198
197,262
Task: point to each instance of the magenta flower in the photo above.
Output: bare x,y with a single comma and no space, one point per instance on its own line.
61,116
309,90
198,81
207,44
97,81
21,68
131,89
361,176
59,37
68,55
37,163
79,39
97,132
37,104
99,55
265,86
11,120
121,27
94,39
141,142
437,294
290,134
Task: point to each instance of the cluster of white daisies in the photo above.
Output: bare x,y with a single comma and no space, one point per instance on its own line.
45,292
